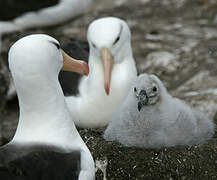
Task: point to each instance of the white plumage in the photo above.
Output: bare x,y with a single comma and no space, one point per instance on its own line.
150,117
35,62
63,11
112,71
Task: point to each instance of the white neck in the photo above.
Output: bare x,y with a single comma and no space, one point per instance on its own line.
44,116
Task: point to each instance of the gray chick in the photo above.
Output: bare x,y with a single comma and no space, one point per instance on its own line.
149,117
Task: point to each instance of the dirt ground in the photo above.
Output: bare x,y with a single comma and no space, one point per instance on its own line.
174,39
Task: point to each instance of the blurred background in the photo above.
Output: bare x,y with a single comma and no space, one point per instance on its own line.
174,39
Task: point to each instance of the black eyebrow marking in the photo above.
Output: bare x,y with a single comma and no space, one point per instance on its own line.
120,30
119,35
55,44
94,45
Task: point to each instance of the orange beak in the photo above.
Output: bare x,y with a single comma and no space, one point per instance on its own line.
74,65
108,61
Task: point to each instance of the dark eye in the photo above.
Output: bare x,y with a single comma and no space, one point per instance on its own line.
135,90
116,40
154,89
93,45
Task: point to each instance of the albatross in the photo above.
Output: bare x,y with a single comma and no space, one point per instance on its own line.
112,72
48,16
46,144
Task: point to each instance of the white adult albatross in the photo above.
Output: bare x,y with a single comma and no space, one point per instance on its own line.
112,71
46,144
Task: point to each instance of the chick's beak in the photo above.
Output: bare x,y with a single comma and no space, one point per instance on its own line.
143,99
108,61
74,65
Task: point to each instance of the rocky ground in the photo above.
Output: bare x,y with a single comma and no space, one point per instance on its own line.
174,39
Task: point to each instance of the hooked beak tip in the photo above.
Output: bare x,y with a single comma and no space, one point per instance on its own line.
107,89
86,69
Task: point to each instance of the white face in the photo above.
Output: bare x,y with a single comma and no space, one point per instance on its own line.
147,91
35,54
111,33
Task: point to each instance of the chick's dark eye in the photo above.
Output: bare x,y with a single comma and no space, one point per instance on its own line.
116,40
154,89
135,90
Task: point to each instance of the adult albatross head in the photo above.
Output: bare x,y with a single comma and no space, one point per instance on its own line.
109,41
